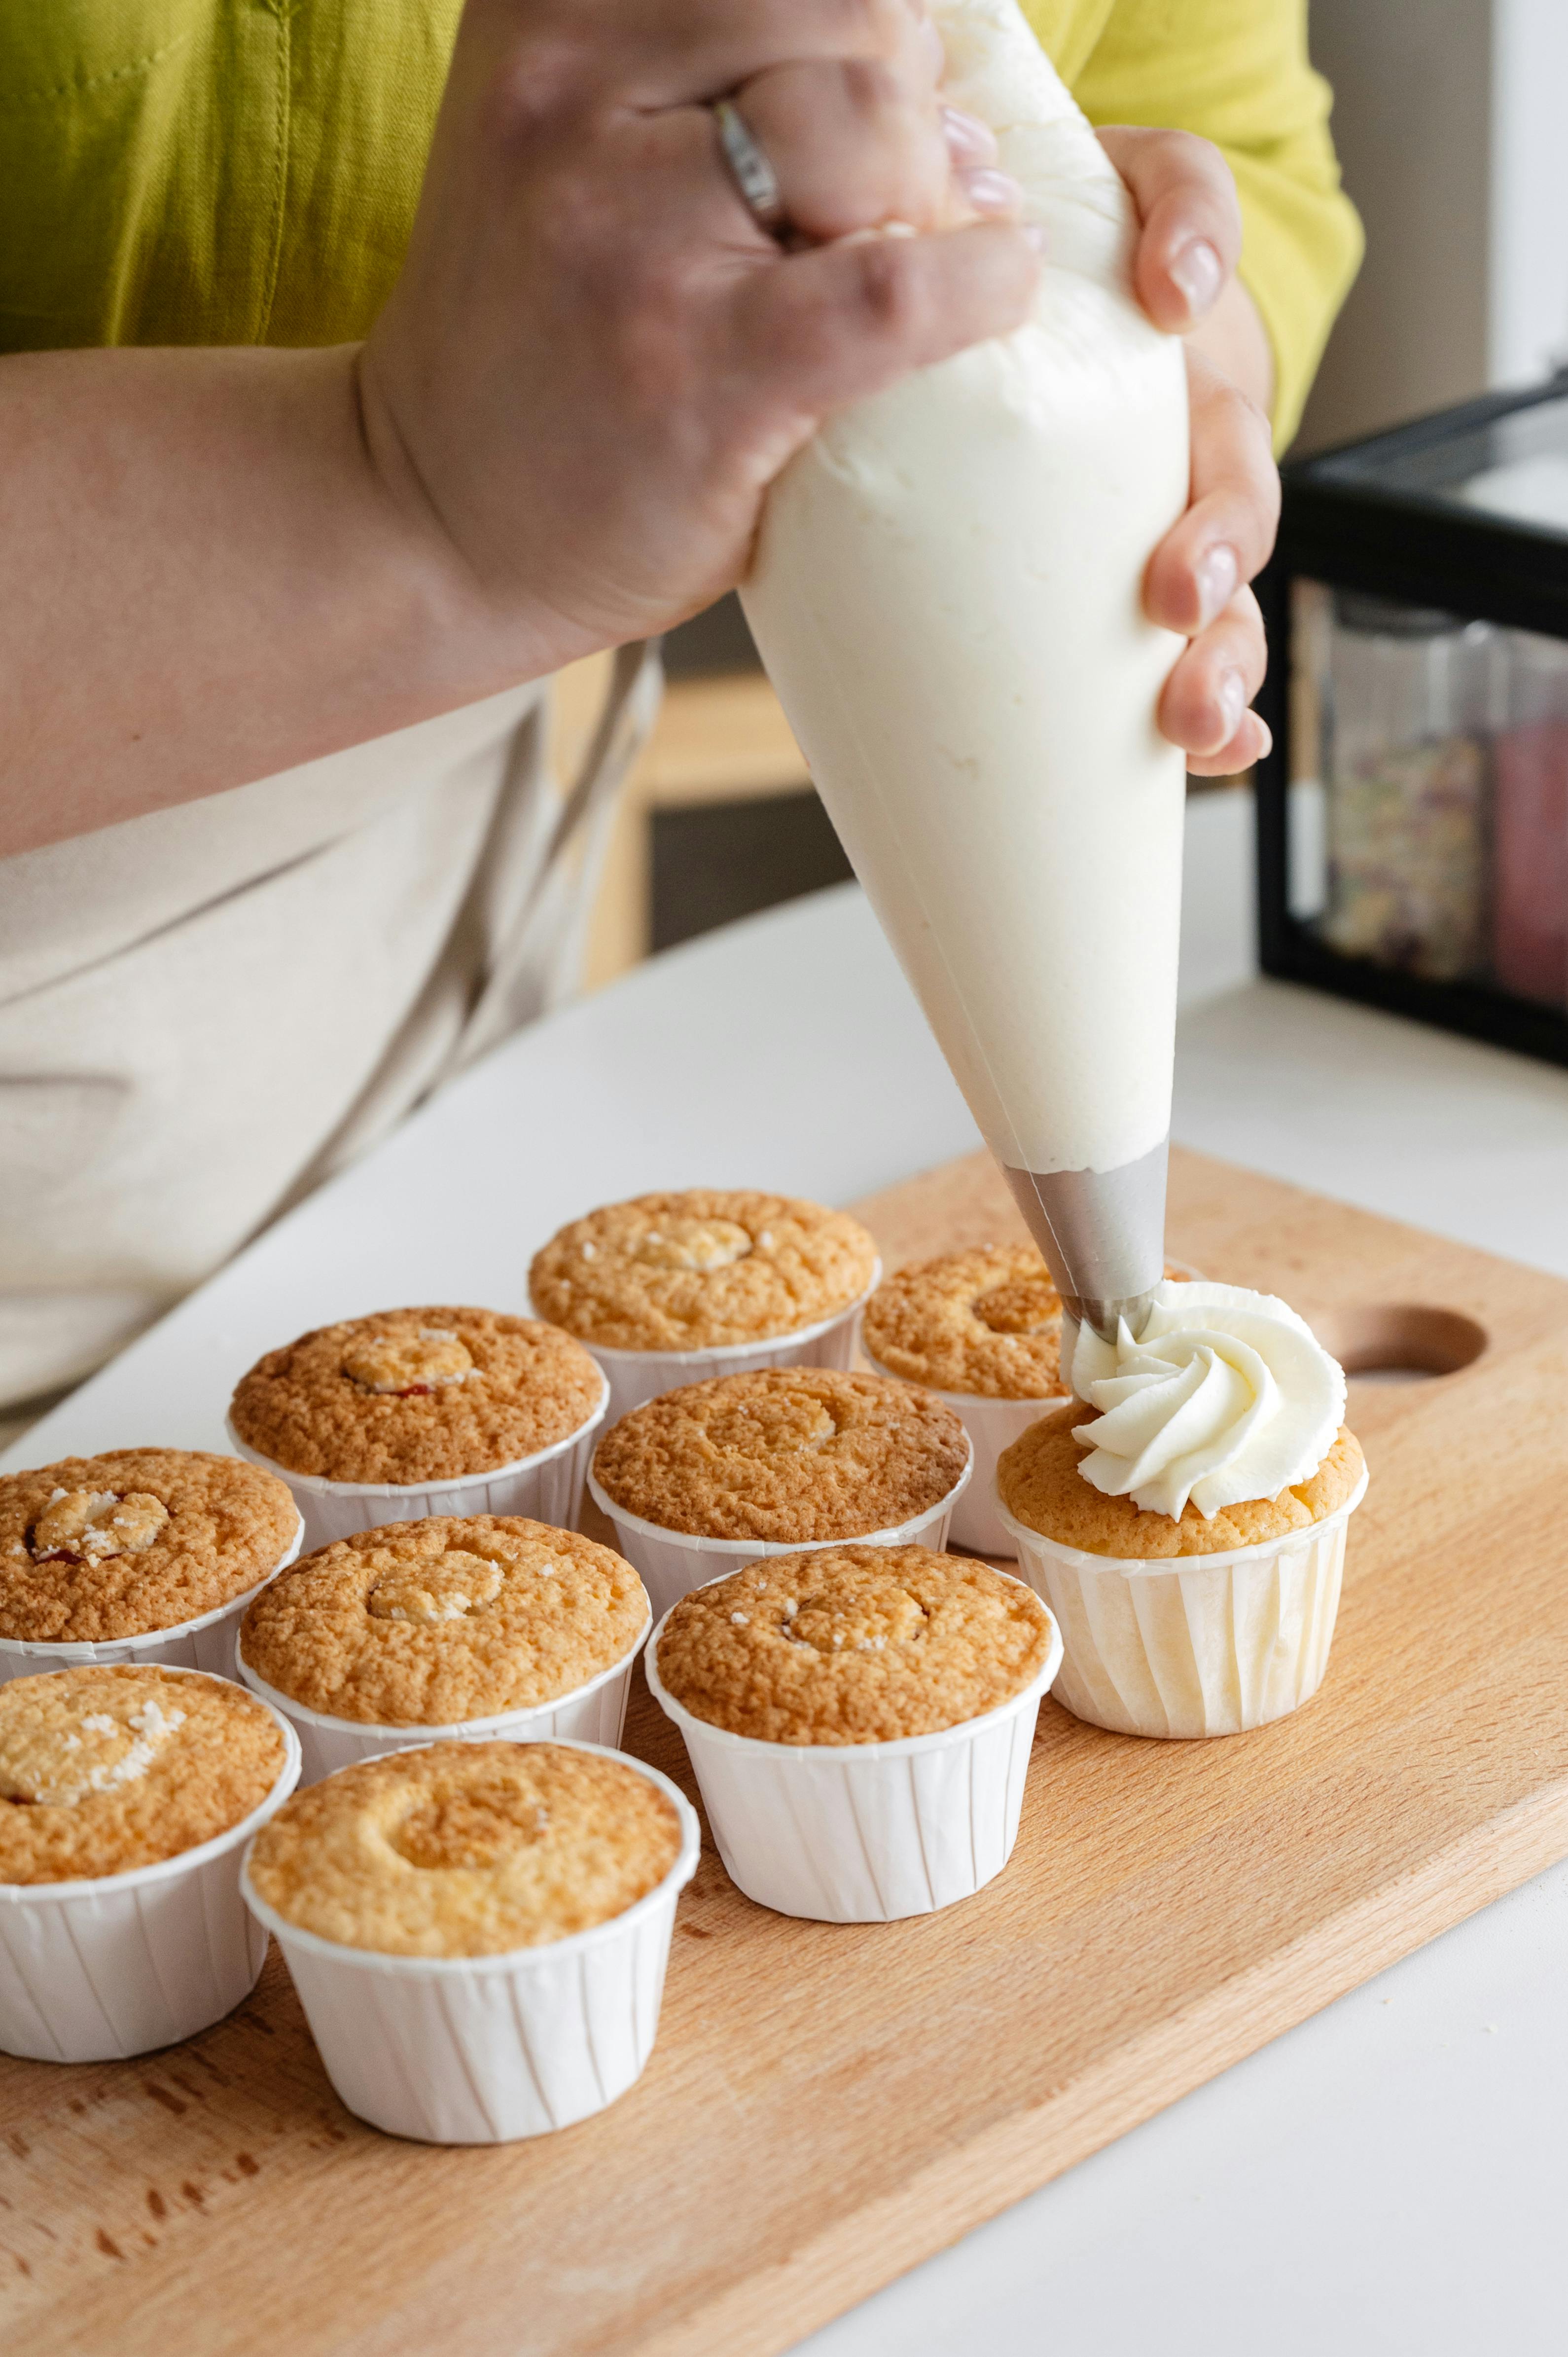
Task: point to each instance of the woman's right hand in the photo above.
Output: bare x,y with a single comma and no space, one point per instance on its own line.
595,361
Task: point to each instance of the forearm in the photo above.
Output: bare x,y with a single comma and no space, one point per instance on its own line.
203,580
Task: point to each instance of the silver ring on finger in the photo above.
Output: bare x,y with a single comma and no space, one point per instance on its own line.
756,180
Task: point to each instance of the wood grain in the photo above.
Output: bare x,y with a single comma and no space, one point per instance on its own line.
827,2106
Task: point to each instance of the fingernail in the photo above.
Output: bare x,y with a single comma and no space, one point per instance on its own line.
1266,738
970,141
1232,704
990,191
1218,574
1199,274
1039,237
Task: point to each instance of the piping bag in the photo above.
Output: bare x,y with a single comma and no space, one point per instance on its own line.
946,594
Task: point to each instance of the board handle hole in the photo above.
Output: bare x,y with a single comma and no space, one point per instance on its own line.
1400,1342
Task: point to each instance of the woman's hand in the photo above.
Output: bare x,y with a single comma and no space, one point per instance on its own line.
1191,238
595,360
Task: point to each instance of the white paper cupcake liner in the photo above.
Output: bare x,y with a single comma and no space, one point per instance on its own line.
863,1832
1191,1645
592,1713
637,1376
672,1562
993,1424
484,2050
207,1643
546,1487
105,1967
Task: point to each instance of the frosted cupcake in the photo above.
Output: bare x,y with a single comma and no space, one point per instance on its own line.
141,1555
1184,1517
478,1931
860,1720
126,1794
490,1626
668,1289
411,1413
705,1478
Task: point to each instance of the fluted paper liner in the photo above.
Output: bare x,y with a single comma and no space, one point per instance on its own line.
486,2049
672,1562
1191,1645
865,1832
592,1712
635,1377
107,1966
546,1487
206,1643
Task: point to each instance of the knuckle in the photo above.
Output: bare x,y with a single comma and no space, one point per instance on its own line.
888,297
871,88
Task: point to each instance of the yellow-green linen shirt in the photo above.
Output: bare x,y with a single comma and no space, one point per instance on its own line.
245,171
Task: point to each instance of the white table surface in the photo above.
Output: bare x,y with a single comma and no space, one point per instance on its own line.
1391,2176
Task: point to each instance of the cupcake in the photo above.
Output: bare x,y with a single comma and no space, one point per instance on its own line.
485,1627
668,1290
127,1793
1184,1517
859,1719
984,1329
142,1554
478,1931
420,1412
704,1480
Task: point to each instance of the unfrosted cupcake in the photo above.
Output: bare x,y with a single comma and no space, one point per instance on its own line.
489,1625
144,1554
667,1289
984,1328
1185,1517
125,1794
418,1412
703,1479
478,1931
860,1720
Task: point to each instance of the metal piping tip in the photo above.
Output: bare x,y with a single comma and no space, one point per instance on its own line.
1103,1236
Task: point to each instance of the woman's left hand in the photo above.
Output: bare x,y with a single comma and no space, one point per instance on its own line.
1197,582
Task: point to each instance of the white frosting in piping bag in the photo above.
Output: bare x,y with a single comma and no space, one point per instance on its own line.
947,597
1226,1395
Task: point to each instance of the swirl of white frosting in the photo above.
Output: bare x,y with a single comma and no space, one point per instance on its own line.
1226,1395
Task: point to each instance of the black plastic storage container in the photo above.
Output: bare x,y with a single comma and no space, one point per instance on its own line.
1412,817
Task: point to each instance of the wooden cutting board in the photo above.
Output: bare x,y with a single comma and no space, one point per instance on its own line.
826,2104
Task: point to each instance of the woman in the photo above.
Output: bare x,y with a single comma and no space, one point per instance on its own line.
366,364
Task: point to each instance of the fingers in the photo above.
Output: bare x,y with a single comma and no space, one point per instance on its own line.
1227,533
1190,239
853,144
1203,708
839,323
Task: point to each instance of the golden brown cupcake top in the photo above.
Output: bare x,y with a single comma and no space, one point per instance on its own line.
698,1270
430,1623
466,1849
412,1395
136,1540
987,1322
854,1644
103,1768
788,1454
1041,1486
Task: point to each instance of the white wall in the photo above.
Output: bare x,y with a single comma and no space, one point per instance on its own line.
1451,117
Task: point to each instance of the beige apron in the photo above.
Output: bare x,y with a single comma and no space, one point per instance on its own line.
205,1011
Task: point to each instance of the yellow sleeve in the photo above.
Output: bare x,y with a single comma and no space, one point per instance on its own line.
1237,72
